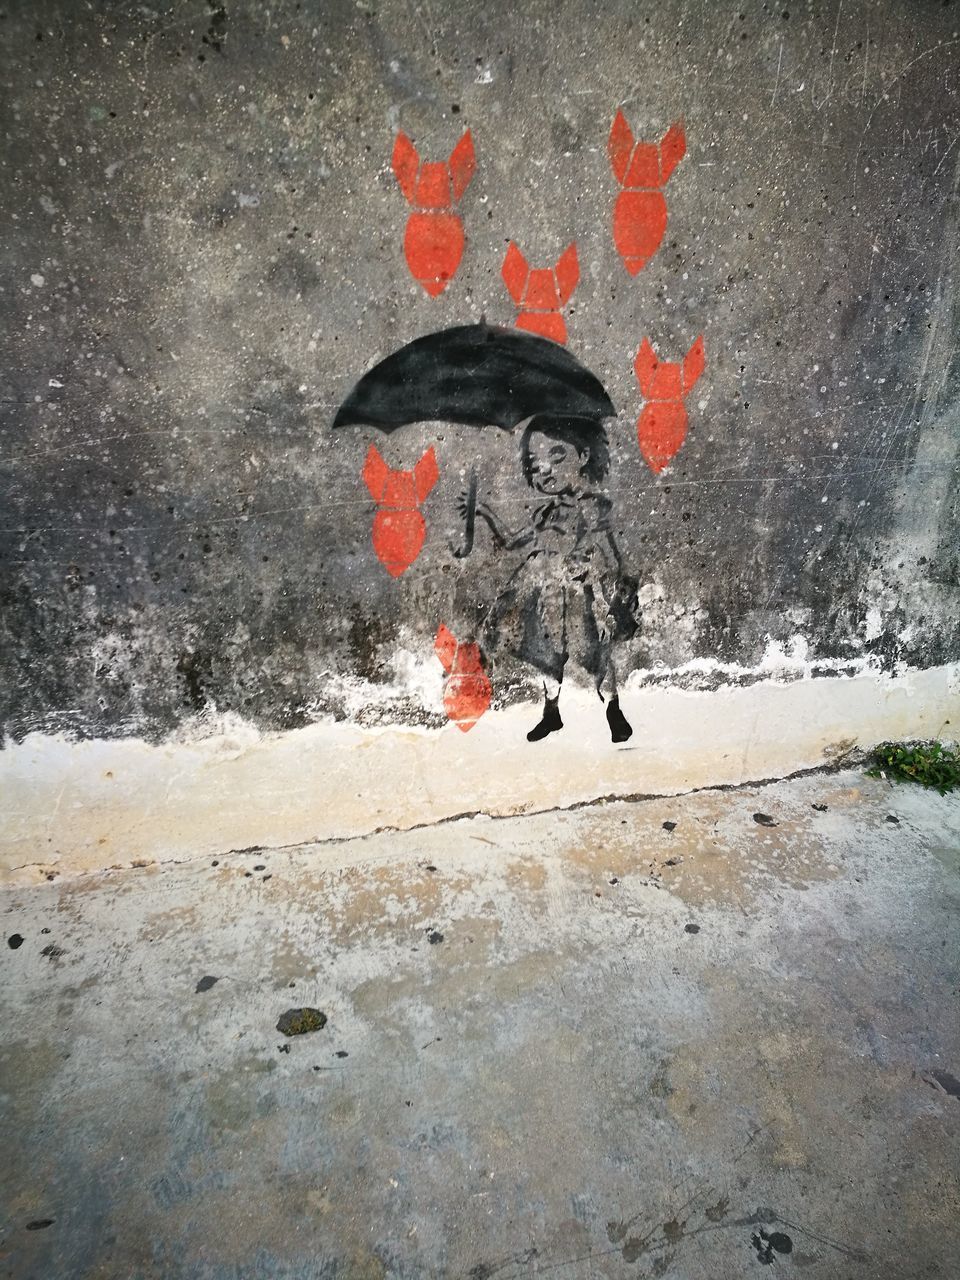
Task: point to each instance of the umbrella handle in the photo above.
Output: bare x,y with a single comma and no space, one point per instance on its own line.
470,519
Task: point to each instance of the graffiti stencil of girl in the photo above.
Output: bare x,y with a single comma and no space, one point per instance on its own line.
570,598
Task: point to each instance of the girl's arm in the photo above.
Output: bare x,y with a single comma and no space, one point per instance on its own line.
502,536
611,552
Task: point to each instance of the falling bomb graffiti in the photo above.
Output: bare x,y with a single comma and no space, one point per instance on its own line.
642,169
466,691
570,598
399,528
541,292
434,239
662,426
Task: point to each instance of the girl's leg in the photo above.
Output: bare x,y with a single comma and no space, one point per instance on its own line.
607,683
550,721
552,618
620,728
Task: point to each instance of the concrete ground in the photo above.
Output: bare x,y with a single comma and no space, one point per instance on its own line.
574,1044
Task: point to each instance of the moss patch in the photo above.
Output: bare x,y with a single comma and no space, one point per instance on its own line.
297,1022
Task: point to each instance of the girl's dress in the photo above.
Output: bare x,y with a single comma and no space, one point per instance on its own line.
570,597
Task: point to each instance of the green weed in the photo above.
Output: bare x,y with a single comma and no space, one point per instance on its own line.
929,763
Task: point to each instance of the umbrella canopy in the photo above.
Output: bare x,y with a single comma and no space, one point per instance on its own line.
476,374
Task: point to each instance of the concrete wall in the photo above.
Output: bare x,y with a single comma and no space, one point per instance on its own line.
203,252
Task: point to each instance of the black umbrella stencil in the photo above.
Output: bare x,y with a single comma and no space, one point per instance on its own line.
478,375
481,375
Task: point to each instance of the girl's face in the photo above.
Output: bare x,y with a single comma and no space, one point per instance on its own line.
554,466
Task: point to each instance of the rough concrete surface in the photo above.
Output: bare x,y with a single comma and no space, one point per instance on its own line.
578,1044
86,806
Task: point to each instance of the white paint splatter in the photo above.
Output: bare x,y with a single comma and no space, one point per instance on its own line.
779,662
873,625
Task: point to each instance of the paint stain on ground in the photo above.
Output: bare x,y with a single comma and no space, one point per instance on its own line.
786,1077
708,864
633,1248
717,1212
508,980
945,1081
182,921
298,1022
371,900
528,872
288,961
769,1244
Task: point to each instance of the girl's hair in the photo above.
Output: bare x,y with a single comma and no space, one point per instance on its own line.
586,435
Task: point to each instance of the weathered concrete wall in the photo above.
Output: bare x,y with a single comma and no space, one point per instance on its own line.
73,807
202,252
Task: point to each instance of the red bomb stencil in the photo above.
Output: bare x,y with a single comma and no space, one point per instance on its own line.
541,291
434,239
641,168
662,426
399,528
466,694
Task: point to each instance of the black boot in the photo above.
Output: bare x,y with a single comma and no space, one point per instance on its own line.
620,729
550,721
